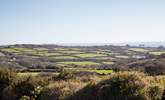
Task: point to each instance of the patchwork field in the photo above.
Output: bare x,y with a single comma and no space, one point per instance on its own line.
47,57
73,69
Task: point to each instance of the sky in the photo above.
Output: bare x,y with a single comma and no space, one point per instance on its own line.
81,21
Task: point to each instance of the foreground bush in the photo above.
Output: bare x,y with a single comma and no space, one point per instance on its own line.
7,77
155,91
122,86
118,86
29,87
130,86
89,92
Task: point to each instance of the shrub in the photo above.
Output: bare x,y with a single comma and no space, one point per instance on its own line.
7,77
123,86
59,90
89,92
155,70
64,74
29,87
155,91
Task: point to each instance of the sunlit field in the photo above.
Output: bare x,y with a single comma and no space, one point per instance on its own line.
138,50
157,52
90,55
80,63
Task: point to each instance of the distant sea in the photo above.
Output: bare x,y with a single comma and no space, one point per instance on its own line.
146,44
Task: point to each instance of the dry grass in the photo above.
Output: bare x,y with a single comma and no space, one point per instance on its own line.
59,90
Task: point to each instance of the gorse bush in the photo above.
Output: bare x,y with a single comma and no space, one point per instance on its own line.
130,86
35,95
89,92
155,91
122,86
60,90
30,87
6,78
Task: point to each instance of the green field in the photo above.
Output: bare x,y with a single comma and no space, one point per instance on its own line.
36,73
64,57
138,50
91,70
23,49
123,57
112,53
29,74
101,71
90,55
100,52
53,54
71,51
108,62
11,50
79,63
104,58
157,52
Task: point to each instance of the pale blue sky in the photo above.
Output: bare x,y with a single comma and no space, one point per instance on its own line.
81,21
